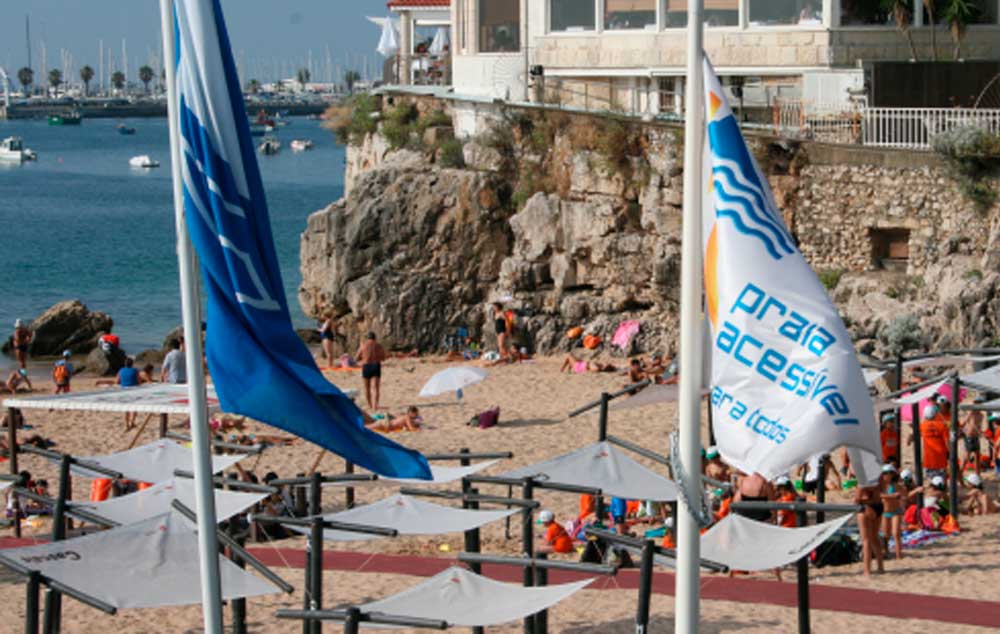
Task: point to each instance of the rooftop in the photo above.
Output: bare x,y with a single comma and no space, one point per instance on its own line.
395,4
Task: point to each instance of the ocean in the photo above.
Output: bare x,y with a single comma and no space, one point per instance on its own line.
81,224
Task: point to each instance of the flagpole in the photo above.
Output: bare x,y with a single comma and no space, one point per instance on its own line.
208,547
691,336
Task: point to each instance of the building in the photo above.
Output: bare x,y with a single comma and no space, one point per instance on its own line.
424,41
629,55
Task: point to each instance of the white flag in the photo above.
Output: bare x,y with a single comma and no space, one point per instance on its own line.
786,383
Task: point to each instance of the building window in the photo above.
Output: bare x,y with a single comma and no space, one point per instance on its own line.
629,14
890,248
866,13
786,12
717,13
499,26
983,12
572,15
671,95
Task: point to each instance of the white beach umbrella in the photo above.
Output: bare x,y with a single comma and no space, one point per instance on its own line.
441,40
388,44
452,380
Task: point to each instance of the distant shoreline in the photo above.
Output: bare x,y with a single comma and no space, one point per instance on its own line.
106,110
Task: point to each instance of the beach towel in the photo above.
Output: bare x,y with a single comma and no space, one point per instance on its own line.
624,334
917,538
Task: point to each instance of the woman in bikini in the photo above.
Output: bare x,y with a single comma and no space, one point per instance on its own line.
893,493
870,497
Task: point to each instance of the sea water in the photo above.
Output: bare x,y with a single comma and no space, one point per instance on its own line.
81,224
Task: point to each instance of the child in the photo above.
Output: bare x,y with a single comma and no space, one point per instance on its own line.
889,438
410,421
62,373
893,493
557,540
786,493
977,502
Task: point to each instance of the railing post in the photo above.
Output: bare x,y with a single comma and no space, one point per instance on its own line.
528,545
12,416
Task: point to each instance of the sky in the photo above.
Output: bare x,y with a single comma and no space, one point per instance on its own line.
268,36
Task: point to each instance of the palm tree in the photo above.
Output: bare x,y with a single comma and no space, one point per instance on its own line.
253,86
929,9
55,79
303,77
27,77
959,14
118,79
900,10
86,74
146,75
350,78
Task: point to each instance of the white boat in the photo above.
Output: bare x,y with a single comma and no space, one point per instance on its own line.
143,161
269,145
301,145
12,149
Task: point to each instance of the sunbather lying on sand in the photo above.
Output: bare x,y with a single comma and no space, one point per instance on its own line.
579,366
410,421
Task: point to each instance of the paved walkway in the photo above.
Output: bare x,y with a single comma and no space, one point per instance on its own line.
713,587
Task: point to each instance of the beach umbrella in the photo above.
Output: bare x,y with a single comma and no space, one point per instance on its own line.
453,380
388,44
441,40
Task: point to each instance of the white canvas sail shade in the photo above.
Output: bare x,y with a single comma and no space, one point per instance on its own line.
606,467
147,565
465,599
439,475
987,380
157,499
153,462
743,544
154,398
452,380
409,516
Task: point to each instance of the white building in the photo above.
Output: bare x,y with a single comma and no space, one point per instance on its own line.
421,23
630,54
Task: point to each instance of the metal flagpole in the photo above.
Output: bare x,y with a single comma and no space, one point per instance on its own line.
692,340
208,547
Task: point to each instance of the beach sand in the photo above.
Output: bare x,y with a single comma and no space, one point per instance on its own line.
534,400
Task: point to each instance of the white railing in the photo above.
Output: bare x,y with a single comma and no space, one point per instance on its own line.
915,128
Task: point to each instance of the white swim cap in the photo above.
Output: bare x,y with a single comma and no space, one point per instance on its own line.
669,522
712,452
937,482
546,516
930,411
18,323
782,481
906,474
888,468
974,479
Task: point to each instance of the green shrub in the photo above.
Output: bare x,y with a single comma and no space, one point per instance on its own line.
973,275
973,157
617,142
450,154
903,334
353,120
830,277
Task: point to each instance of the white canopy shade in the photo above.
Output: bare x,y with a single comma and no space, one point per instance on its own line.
949,360
606,467
147,565
388,43
152,398
157,499
744,544
872,376
440,42
452,380
153,462
465,599
439,475
987,380
409,516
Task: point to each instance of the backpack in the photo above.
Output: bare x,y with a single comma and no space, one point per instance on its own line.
489,418
61,374
839,550
591,342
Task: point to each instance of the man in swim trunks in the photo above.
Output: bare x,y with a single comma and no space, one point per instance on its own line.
370,355
21,339
971,434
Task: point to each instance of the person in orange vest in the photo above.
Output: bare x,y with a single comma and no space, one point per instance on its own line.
786,493
557,540
890,439
934,430
668,537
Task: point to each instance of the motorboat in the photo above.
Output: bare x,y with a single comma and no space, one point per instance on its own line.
269,146
301,145
12,149
67,118
143,161
124,129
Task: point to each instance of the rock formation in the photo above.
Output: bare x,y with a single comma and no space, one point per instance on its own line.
68,325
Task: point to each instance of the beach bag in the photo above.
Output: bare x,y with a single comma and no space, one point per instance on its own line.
930,519
591,342
489,418
839,550
910,516
574,333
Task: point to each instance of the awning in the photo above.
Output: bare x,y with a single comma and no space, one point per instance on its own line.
465,599
157,499
606,467
987,380
743,544
155,398
949,360
147,565
153,462
439,475
409,516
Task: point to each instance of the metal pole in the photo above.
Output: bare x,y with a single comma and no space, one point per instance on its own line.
53,599
711,426
602,433
352,621
821,489
528,545
918,469
316,578
473,545
953,471
802,572
688,544
645,587
542,580
31,603
12,414
239,606
899,414
208,545
164,420
349,491
315,546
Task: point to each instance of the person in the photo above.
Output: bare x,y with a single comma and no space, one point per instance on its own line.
971,435
370,355
754,488
410,421
21,339
327,335
655,367
976,501
579,366
716,469
889,438
893,497
635,374
502,327
557,540
813,474
870,497
129,376
62,373
934,438
16,378
174,368
146,374
786,493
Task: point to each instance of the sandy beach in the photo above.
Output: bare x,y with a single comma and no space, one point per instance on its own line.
534,399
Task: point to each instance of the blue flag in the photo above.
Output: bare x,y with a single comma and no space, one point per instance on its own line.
260,367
